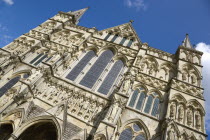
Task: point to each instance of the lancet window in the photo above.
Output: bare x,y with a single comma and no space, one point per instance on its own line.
40,58
130,42
97,73
145,103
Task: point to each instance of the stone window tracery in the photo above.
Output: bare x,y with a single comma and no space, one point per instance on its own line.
133,131
80,66
148,104
97,73
98,67
111,77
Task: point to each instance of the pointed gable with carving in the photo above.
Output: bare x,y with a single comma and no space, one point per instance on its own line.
123,34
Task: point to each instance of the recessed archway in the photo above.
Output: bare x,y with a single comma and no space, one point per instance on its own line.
40,131
5,131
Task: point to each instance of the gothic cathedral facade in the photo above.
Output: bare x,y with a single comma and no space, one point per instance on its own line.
62,81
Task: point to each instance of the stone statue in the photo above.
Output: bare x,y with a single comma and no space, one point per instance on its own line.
189,117
59,110
172,110
181,113
198,120
171,135
113,112
126,84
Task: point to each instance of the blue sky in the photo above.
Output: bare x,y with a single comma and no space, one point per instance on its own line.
161,23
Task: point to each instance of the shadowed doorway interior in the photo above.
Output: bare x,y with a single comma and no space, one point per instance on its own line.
40,131
5,131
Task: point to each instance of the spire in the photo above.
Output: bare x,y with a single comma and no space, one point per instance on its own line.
78,14
186,43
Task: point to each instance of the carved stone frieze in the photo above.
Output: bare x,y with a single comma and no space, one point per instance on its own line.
151,81
187,88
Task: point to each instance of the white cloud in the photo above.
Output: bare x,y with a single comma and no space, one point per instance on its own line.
205,48
9,2
138,4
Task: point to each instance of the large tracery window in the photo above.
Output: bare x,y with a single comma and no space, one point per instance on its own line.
145,103
95,71
101,75
80,66
111,77
133,131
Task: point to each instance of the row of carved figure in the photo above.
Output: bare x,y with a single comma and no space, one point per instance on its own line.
190,113
166,71
174,134
80,104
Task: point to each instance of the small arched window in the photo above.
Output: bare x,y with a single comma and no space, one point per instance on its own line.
140,101
133,98
40,58
137,98
98,67
8,85
111,77
80,66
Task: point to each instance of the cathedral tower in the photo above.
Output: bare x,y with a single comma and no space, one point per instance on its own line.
62,81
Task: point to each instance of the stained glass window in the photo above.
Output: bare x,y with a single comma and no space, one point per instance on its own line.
133,98
148,104
8,85
36,58
80,66
107,36
136,127
126,135
123,40
140,101
155,107
110,78
98,67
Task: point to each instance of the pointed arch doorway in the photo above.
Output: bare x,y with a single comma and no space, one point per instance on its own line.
40,131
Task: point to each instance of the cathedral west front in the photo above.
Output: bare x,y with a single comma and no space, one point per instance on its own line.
62,81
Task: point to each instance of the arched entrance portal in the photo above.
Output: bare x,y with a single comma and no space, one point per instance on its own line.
5,131
40,131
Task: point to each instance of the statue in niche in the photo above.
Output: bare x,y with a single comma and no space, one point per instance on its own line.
189,117
59,110
184,76
181,113
198,120
142,66
113,112
171,135
126,84
172,110
7,96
